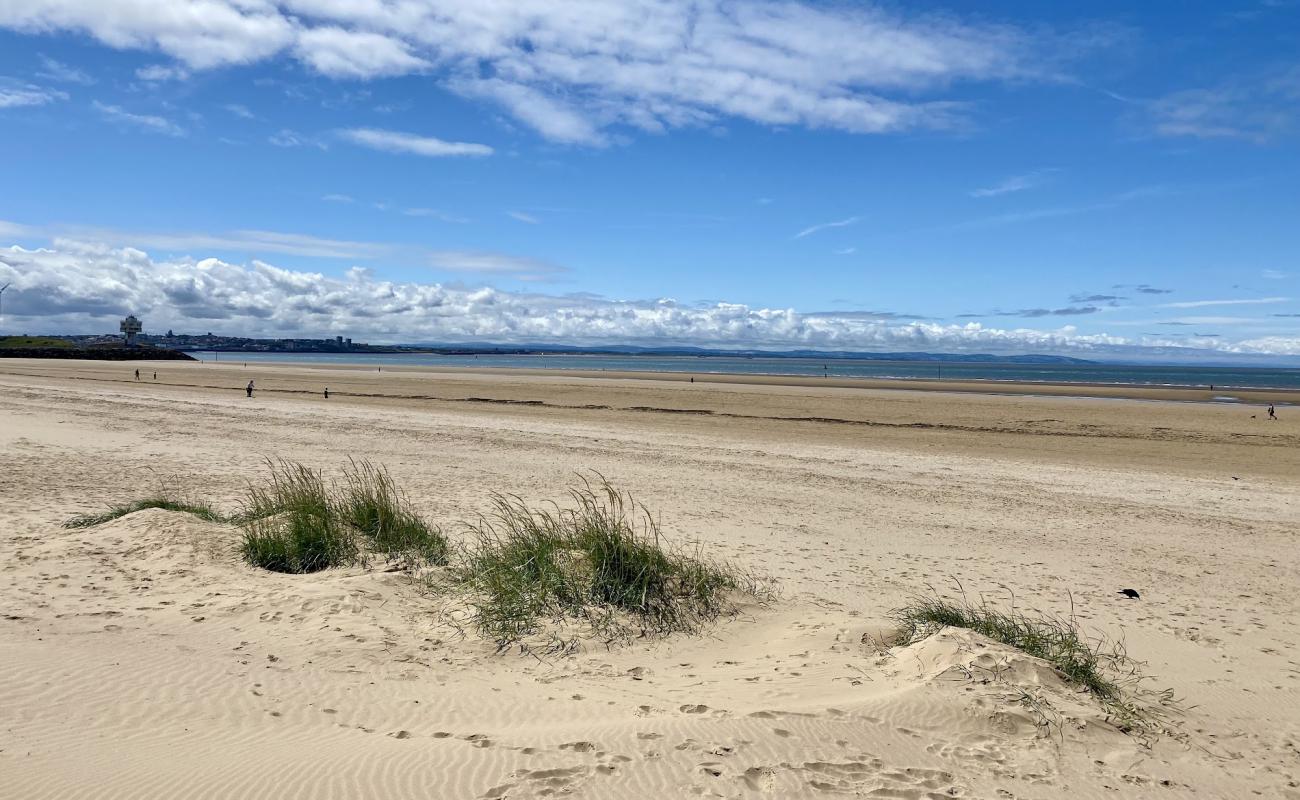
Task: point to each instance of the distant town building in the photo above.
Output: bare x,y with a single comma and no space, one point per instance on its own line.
130,328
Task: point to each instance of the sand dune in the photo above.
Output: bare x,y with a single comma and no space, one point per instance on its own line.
142,658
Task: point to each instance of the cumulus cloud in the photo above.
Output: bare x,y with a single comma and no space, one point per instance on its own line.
398,142
82,287
572,71
14,94
147,122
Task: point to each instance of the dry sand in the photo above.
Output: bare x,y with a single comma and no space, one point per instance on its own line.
141,659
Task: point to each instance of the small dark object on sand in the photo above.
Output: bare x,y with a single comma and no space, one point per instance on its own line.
1130,593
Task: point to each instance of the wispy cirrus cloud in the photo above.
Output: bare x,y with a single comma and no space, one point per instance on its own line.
16,94
1015,183
1251,301
523,217
148,122
55,70
1143,288
843,223
495,264
1258,109
399,142
251,242
286,137
158,73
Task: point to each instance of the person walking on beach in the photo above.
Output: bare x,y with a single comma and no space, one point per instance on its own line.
137,374
249,388
1271,413
155,376
327,392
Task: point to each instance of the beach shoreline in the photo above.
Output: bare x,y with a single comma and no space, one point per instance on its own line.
1192,394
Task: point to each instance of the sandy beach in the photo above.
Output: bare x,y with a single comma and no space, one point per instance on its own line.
142,658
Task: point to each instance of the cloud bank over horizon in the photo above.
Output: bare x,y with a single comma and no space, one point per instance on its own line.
84,287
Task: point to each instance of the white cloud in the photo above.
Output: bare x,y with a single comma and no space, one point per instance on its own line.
500,264
571,71
1274,274
846,251
148,122
338,198
523,217
1016,183
157,73
251,242
341,53
240,111
82,287
1258,110
14,94
398,142
826,225
58,71
290,138
1254,301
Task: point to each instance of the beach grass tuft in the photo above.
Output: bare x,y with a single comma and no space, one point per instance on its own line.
1098,665
291,526
602,562
201,510
371,502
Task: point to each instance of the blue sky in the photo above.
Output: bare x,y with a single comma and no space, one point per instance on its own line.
1117,179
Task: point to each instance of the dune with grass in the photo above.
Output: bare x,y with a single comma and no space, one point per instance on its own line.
477,585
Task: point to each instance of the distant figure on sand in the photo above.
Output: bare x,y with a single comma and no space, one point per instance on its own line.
327,392
137,374
1271,413
155,376
249,388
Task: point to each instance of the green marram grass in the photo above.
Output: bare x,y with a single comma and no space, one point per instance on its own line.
371,503
296,522
290,524
167,503
1098,665
602,563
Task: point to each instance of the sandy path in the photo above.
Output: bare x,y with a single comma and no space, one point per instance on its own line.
143,660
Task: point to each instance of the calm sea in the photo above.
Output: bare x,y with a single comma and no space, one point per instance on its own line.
1226,377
